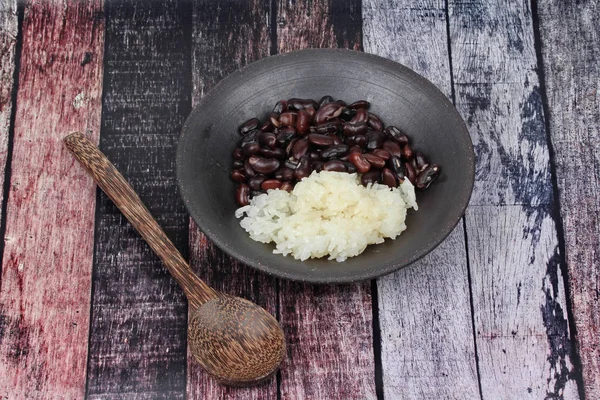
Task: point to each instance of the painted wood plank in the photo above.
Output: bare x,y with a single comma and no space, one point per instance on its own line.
47,260
523,340
427,344
8,47
329,328
571,51
138,327
227,36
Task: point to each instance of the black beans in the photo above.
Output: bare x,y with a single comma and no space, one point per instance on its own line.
335,165
427,176
336,151
320,140
374,122
301,136
242,194
375,140
264,165
248,126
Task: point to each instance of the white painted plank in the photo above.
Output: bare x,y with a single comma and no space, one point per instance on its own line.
518,291
570,39
427,341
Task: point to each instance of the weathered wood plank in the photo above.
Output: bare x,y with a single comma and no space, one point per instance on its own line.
522,334
47,260
8,47
329,328
570,39
427,344
138,328
227,36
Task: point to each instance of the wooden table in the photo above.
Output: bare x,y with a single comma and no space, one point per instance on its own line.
508,307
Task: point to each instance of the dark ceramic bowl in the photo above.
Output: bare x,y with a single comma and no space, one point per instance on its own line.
397,94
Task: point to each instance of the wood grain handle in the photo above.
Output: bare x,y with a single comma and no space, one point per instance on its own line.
126,199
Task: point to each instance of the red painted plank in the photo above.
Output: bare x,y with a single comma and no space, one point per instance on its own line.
47,261
8,45
227,36
328,328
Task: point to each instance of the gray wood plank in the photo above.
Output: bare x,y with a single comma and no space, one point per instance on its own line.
427,340
570,37
522,334
227,36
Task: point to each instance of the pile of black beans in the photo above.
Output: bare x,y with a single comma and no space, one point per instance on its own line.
302,135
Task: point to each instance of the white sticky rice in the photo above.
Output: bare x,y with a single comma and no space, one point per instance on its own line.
328,213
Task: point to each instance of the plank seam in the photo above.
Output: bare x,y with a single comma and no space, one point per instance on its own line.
377,341
11,131
464,222
273,33
555,209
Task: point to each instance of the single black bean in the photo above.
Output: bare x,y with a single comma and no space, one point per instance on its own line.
374,160
347,114
397,135
335,151
411,174
311,112
330,127
300,148
374,122
317,165
242,194
303,168
351,129
392,147
248,170
360,140
238,175
256,181
291,163
407,153
250,136
314,155
284,174
375,140
285,135
237,154
264,165
355,149
271,184
337,140
274,119
287,186
277,152
373,176
303,122
250,148
301,104
238,164
420,160
350,168
267,139
248,126
335,165
320,140
427,176
290,146
381,153
359,104
280,107
328,112
325,100
267,126
397,166
361,163
389,178
342,103
361,116
288,118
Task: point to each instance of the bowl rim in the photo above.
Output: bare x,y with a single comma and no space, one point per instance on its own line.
316,278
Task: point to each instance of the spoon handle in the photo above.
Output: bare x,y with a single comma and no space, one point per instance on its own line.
126,199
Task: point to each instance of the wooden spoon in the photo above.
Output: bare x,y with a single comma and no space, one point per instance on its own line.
235,340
